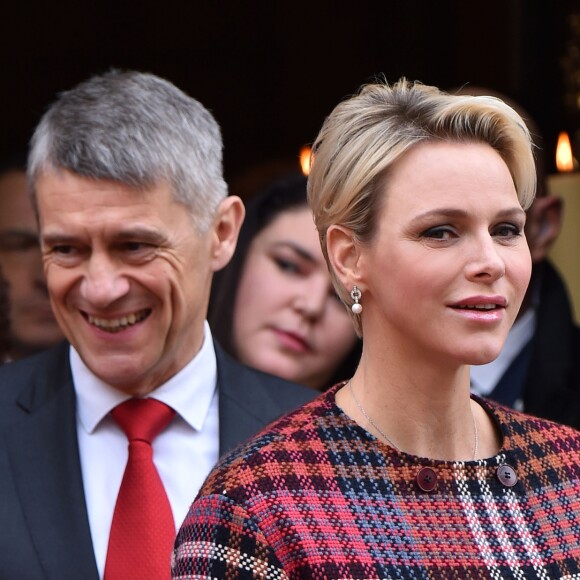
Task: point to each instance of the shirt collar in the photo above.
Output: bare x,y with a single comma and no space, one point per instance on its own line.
189,392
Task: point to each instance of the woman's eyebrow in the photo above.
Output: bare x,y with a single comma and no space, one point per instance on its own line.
303,253
452,212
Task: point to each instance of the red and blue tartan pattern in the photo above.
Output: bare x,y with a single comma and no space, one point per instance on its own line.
316,496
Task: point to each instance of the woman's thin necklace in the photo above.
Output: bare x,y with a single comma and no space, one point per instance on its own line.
389,440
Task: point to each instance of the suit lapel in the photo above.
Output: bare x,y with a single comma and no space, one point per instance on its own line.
43,453
238,420
249,400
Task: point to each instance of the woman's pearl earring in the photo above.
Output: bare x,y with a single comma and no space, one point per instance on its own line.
356,295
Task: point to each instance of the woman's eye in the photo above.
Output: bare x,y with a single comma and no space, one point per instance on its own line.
507,230
438,233
287,265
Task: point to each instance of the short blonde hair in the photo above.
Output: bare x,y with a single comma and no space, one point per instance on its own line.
365,135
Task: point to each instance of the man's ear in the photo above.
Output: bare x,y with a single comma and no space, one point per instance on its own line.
343,254
543,225
226,228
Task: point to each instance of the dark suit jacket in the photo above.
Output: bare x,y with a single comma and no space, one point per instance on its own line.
546,373
552,384
44,527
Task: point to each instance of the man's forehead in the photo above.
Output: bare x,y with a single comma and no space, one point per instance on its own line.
120,228
89,192
65,198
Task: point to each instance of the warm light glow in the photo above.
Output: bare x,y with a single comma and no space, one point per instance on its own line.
305,159
564,159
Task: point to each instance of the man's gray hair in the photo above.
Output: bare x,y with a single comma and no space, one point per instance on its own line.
138,130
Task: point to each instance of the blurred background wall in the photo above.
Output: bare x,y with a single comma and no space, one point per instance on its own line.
271,70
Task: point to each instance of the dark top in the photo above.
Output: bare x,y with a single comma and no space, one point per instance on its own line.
547,374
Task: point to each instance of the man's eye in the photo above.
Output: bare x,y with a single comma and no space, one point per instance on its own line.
64,254
137,251
139,248
63,250
133,246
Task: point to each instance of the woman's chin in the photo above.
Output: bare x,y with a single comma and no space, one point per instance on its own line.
482,357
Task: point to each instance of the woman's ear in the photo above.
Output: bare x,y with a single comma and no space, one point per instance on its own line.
343,254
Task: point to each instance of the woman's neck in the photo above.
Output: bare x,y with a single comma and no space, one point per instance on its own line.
420,409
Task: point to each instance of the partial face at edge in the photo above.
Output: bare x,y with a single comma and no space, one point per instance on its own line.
32,323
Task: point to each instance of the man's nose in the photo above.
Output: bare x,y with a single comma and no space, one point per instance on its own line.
103,282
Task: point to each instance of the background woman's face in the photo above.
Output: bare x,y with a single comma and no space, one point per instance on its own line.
287,318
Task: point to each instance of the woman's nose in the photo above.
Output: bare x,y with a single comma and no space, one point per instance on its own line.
311,300
485,262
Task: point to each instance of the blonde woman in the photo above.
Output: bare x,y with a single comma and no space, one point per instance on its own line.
419,199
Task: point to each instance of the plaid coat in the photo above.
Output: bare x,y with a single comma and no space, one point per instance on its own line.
316,496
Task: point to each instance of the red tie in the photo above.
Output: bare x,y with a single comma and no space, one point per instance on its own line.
143,530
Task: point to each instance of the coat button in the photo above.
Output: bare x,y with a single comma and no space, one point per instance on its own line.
507,475
427,479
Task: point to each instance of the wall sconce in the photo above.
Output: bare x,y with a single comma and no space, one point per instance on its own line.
566,185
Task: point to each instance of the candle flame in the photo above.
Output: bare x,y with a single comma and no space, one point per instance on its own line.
305,160
564,159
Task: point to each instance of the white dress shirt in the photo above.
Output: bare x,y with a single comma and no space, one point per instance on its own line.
484,378
183,454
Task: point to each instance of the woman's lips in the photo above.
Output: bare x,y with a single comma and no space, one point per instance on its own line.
481,314
481,308
292,341
481,302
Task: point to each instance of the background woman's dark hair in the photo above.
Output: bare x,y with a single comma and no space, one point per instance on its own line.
285,193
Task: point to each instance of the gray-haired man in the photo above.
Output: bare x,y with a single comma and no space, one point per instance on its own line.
134,219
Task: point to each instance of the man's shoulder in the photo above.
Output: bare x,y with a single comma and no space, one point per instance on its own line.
46,368
249,399
237,380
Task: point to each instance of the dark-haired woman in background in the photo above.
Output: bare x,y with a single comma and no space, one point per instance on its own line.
274,307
